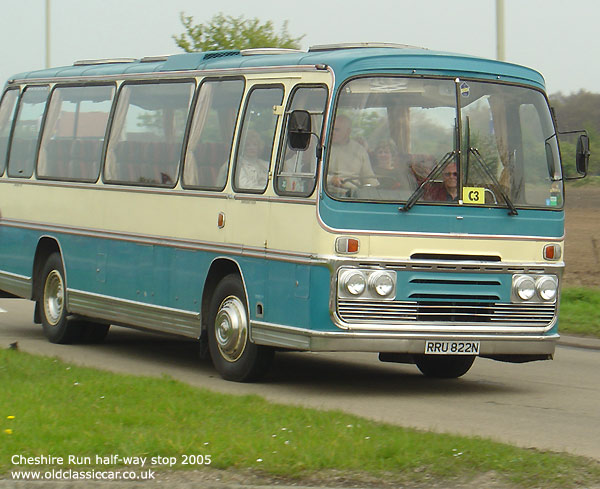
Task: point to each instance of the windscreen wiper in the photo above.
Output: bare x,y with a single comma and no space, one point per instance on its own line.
512,209
416,195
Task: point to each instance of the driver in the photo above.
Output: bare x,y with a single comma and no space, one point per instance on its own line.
349,165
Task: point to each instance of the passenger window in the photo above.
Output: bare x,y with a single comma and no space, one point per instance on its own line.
296,173
255,144
74,131
7,111
211,136
146,137
21,160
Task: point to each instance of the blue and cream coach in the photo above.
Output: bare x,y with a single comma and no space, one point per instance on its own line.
367,197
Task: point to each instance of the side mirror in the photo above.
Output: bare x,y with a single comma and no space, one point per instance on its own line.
582,155
299,130
550,158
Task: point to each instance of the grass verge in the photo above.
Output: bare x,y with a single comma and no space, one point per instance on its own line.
580,311
52,408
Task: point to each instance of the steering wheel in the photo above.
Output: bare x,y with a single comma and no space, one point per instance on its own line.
358,181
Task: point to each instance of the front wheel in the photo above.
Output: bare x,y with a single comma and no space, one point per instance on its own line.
53,304
89,331
444,366
233,354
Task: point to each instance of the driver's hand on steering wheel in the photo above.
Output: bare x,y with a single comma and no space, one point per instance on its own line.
337,181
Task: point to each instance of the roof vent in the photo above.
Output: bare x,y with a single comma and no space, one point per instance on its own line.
357,45
105,61
220,54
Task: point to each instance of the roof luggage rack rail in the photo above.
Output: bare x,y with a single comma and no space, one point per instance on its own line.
357,45
154,59
104,61
258,51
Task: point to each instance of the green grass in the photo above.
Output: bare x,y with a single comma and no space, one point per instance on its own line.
61,410
580,311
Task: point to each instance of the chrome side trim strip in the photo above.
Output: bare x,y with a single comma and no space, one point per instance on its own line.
308,340
15,284
220,248
132,313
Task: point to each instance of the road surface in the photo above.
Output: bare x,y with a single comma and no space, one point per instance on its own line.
547,405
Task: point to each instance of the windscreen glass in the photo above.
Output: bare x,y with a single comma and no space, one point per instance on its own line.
508,134
393,135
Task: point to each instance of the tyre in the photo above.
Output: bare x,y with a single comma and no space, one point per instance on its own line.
91,332
53,304
444,366
234,356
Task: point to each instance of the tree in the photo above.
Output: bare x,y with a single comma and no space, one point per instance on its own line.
228,32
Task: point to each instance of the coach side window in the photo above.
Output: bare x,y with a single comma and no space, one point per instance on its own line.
7,110
71,147
296,173
146,137
255,144
211,136
21,159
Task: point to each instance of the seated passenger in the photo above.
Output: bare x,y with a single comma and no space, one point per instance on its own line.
420,165
252,171
448,191
391,172
450,176
349,165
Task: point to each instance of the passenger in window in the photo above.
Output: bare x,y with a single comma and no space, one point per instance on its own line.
391,172
450,176
349,165
252,170
448,191
420,165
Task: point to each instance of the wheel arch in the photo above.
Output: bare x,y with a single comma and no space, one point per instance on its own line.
219,268
47,245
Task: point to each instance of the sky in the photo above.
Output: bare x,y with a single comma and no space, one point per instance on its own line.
556,38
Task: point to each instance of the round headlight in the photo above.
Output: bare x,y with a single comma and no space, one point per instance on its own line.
525,288
381,283
355,283
547,287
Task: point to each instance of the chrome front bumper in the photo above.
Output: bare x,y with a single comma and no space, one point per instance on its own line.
382,341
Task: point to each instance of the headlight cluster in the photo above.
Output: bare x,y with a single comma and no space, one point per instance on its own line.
374,284
535,288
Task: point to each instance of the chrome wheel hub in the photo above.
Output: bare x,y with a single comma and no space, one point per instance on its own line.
231,328
54,297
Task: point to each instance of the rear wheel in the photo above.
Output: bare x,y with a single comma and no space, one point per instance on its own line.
233,354
53,305
444,366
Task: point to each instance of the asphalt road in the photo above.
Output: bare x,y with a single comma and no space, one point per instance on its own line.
548,405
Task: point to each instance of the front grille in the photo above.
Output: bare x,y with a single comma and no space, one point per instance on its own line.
397,312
